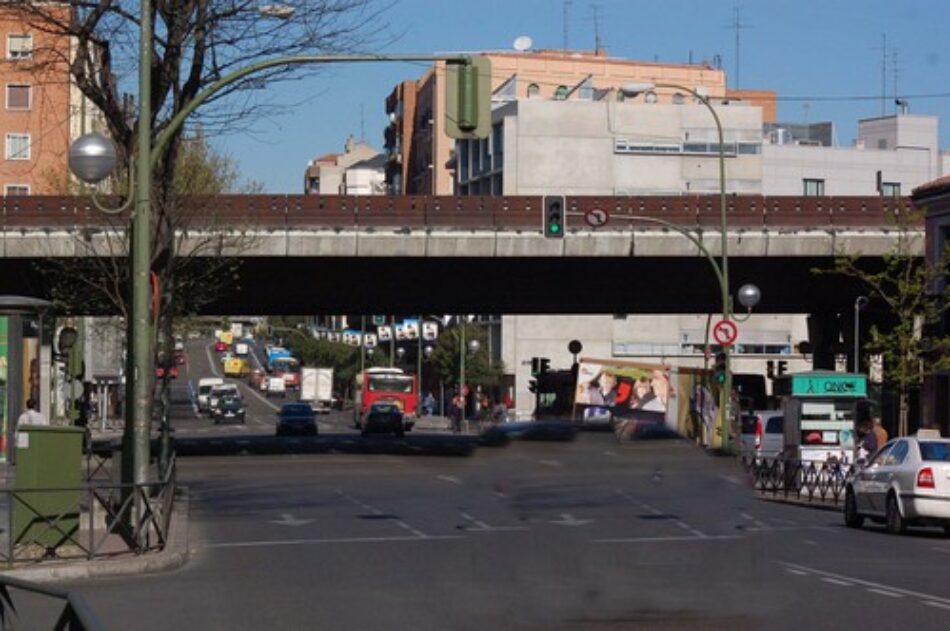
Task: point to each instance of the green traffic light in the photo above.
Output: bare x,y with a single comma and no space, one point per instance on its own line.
555,227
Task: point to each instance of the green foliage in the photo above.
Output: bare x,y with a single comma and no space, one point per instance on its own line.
345,360
478,372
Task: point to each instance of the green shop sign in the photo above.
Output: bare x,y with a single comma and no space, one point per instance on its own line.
829,385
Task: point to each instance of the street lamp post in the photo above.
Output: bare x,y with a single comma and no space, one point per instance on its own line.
860,303
633,89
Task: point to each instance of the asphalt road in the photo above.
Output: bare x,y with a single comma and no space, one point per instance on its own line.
580,535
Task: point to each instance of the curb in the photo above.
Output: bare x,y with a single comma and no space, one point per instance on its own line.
791,501
174,556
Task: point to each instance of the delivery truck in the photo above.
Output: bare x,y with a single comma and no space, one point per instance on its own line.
316,388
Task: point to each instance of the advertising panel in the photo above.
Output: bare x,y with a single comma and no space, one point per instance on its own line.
623,394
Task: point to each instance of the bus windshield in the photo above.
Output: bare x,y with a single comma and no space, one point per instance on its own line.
390,383
286,364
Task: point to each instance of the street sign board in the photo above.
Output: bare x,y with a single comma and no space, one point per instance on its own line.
597,217
829,385
725,332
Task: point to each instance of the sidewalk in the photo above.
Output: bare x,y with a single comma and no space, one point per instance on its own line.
792,499
174,555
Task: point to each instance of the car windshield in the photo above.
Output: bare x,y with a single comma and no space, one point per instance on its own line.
933,451
296,409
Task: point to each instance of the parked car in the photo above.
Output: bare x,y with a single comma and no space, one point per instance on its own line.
296,418
275,386
906,483
763,434
383,418
228,408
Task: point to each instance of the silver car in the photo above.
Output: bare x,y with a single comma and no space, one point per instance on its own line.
763,434
907,482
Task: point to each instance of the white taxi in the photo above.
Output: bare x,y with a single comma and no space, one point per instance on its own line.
906,483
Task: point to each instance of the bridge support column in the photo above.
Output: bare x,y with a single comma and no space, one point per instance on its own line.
823,335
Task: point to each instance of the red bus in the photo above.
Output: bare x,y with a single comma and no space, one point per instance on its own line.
389,385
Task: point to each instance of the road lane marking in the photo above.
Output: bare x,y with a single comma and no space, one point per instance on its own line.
796,572
938,601
944,550
809,542
449,478
568,519
211,363
884,592
931,603
731,479
668,539
551,463
679,522
481,526
835,581
376,511
308,542
759,524
287,519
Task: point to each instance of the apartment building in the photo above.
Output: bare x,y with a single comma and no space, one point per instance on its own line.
416,139
358,170
42,110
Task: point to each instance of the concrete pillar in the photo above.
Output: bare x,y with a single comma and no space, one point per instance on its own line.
823,332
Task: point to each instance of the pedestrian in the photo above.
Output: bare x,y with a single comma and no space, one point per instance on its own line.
500,413
458,412
879,432
867,447
30,416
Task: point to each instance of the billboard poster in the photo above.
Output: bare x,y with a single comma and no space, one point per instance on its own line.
369,340
624,394
351,337
384,333
334,336
410,330
430,330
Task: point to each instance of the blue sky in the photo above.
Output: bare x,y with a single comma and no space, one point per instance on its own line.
817,49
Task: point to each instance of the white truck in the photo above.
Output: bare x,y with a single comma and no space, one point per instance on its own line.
316,388
241,348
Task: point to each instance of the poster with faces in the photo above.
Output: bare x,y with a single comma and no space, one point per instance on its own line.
430,331
351,337
369,340
385,333
411,329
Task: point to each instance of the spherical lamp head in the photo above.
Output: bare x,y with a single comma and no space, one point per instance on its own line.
749,296
92,157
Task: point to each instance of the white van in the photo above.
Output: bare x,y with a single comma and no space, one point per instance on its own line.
204,390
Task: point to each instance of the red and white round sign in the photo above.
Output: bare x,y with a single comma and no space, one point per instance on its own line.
725,332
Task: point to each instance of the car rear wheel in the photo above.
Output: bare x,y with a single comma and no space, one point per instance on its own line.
852,518
894,523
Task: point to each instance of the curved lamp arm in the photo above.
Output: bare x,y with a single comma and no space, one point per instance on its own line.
128,200
686,233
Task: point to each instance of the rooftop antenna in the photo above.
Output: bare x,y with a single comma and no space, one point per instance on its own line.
597,43
896,74
738,26
567,19
362,125
883,72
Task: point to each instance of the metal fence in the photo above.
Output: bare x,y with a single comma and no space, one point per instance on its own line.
76,614
807,481
97,520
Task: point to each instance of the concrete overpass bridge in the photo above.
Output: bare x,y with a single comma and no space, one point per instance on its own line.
317,254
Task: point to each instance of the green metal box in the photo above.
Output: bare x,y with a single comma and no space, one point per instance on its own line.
47,457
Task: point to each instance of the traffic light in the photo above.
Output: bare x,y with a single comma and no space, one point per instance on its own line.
545,364
719,373
539,366
75,364
533,386
468,98
554,216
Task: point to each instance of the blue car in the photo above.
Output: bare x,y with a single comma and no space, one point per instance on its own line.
296,418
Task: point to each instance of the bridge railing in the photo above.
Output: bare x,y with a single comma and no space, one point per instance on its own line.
510,213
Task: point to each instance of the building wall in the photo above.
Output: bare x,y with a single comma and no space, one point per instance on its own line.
365,181
663,339
548,70
570,147
47,120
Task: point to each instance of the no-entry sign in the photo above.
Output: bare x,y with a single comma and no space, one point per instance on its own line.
725,332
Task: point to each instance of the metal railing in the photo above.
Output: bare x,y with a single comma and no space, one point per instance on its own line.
96,520
807,481
76,614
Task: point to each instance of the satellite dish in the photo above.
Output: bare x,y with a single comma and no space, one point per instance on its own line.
523,43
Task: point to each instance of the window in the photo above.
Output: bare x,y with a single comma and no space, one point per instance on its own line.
19,46
891,189
18,97
935,452
18,147
678,99
533,90
560,93
13,190
896,455
813,188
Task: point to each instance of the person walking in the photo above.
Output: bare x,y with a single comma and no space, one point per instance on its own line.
31,416
458,413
